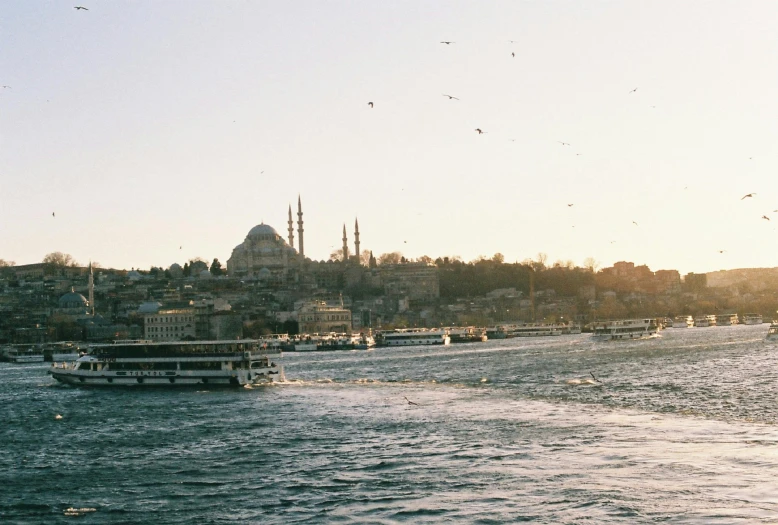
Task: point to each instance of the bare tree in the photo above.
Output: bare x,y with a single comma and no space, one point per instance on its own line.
337,255
59,260
591,264
498,258
6,264
390,258
364,257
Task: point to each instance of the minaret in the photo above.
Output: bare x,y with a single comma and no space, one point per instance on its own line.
345,244
91,290
356,240
291,228
300,227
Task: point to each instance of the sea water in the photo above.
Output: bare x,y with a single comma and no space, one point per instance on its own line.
679,428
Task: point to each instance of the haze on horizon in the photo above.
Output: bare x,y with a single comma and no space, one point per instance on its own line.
161,131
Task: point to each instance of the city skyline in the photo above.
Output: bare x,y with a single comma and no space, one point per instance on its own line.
618,132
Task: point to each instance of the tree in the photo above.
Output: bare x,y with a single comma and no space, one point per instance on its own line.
364,258
59,260
216,268
6,264
337,255
197,265
425,259
187,271
390,258
498,258
591,264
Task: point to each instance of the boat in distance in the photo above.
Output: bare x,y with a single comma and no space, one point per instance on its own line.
750,319
173,363
624,329
413,337
772,332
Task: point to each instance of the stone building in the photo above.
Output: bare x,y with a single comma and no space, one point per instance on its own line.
317,317
169,325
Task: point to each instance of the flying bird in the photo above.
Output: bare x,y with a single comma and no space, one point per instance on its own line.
766,217
633,222
58,416
370,104
450,97
634,90
479,131
6,87
409,401
569,204
722,251
447,43
79,7
513,55
52,214
563,143
747,195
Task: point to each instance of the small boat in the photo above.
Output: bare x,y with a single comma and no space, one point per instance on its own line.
750,319
683,321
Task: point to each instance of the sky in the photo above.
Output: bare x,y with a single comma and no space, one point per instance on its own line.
145,133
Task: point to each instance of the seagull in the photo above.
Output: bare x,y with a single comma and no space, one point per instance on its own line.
563,143
765,217
591,374
634,90
52,214
513,55
447,43
180,247
633,222
81,7
569,205
479,131
6,87
58,416
370,104
450,97
409,401
747,195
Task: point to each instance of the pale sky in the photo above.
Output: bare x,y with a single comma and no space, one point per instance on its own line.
158,131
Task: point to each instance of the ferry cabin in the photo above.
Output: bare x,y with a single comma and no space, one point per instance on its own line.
624,329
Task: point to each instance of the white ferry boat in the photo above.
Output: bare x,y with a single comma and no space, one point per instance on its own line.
726,319
624,329
23,354
772,332
752,319
537,330
145,363
414,336
683,321
467,334
363,341
704,321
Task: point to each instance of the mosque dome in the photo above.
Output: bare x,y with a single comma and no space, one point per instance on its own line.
263,274
73,299
205,274
262,229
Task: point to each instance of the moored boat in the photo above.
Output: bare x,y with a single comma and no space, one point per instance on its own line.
750,319
23,354
772,332
624,329
683,321
173,363
466,334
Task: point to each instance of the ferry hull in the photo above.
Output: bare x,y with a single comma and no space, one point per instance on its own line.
166,379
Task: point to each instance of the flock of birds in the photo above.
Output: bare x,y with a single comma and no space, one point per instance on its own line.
480,131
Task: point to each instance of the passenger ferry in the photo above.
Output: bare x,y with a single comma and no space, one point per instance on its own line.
772,332
413,337
537,330
173,363
498,332
363,341
752,319
467,334
726,319
682,321
23,354
704,321
624,329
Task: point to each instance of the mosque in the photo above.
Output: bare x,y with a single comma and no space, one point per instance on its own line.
267,257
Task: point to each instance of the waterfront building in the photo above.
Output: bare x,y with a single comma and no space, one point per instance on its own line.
173,324
318,317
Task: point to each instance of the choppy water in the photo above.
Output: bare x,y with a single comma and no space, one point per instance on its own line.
682,429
